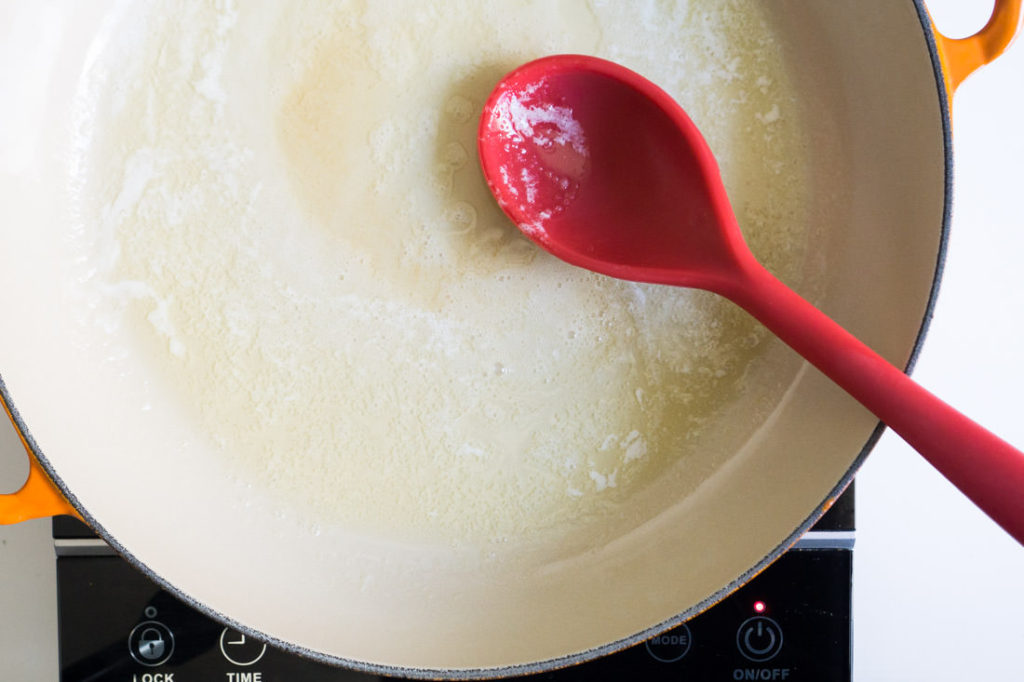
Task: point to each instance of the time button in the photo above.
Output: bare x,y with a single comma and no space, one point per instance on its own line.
240,649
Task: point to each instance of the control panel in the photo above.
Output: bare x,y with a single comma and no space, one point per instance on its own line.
792,622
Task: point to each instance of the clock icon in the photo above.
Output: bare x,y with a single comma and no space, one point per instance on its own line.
239,648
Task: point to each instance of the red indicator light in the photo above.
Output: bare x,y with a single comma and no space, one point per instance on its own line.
760,606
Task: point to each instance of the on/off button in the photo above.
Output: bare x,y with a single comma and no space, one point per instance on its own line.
759,639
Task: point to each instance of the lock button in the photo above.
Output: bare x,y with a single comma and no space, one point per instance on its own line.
151,643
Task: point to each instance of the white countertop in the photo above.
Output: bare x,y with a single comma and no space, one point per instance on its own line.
938,588
28,582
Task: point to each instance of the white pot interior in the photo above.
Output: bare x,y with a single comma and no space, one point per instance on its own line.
131,451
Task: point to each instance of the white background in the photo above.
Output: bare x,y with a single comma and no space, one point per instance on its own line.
938,589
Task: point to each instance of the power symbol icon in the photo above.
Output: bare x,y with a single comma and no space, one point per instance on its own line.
759,639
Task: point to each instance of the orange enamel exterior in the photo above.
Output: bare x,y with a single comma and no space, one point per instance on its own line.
38,497
960,57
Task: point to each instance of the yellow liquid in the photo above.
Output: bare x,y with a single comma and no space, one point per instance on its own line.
281,209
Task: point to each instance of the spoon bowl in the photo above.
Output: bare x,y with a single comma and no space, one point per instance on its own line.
594,163
603,169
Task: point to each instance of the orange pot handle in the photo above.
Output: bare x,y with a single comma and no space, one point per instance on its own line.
963,56
37,498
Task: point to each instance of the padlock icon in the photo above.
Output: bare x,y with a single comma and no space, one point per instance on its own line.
151,644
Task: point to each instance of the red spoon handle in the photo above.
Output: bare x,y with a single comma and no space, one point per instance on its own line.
984,467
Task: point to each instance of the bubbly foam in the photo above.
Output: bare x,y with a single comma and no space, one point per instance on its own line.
279,209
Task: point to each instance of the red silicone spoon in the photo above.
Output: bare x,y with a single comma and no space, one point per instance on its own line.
602,168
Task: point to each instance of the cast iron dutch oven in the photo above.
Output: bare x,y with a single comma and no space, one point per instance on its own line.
877,80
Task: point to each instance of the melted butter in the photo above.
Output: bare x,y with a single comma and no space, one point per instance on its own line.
281,210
